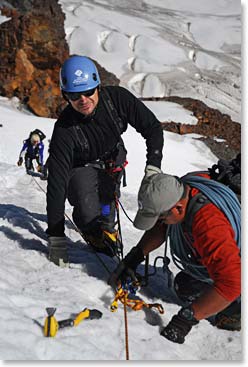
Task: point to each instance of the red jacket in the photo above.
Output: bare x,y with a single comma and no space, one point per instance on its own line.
214,241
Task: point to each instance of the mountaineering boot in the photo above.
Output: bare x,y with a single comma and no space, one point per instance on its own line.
108,217
230,317
232,323
188,288
58,251
105,242
111,240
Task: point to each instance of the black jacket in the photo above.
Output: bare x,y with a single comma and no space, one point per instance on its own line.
67,152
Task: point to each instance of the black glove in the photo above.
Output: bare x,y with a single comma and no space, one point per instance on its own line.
127,267
178,327
20,161
58,251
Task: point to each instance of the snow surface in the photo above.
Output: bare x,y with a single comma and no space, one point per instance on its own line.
113,33
160,48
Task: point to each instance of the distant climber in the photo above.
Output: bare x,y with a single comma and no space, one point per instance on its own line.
33,148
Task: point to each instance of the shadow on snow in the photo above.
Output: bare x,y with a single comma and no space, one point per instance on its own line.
81,253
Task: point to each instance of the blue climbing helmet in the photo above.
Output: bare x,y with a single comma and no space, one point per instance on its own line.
78,74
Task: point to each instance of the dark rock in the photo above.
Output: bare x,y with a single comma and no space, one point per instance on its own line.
211,124
106,77
33,47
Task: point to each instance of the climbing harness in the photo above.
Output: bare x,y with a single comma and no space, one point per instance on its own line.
51,325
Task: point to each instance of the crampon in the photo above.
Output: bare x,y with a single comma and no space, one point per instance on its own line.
108,243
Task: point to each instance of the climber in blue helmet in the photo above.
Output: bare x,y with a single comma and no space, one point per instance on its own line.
87,156
79,78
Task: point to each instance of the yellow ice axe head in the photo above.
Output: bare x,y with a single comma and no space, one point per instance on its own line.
51,324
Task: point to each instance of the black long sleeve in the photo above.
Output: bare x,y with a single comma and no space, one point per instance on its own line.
135,113
66,152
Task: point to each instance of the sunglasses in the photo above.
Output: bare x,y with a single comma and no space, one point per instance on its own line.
74,96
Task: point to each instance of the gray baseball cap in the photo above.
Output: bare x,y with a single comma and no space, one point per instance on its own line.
157,194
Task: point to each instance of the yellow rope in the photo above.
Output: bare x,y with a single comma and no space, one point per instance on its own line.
134,304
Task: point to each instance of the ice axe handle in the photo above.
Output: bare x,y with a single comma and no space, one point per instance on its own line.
65,323
95,314
87,314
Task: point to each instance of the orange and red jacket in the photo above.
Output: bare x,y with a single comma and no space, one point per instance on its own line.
214,241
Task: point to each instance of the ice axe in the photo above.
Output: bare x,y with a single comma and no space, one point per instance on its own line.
52,326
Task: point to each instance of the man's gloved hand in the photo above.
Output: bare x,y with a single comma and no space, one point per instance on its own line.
58,251
126,268
20,161
120,274
151,170
179,327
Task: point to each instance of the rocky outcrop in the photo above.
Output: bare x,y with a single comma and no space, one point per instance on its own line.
33,47
32,50
219,132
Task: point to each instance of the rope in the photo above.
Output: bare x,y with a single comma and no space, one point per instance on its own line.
126,326
121,295
124,211
221,196
119,223
135,304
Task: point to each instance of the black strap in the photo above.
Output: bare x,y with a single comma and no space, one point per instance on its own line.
82,140
196,203
124,179
166,260
112,112
98,164
194,173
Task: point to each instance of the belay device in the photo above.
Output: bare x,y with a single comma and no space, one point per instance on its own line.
52,326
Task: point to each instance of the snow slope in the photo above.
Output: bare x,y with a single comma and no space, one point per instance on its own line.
29,283
186,48
117,36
